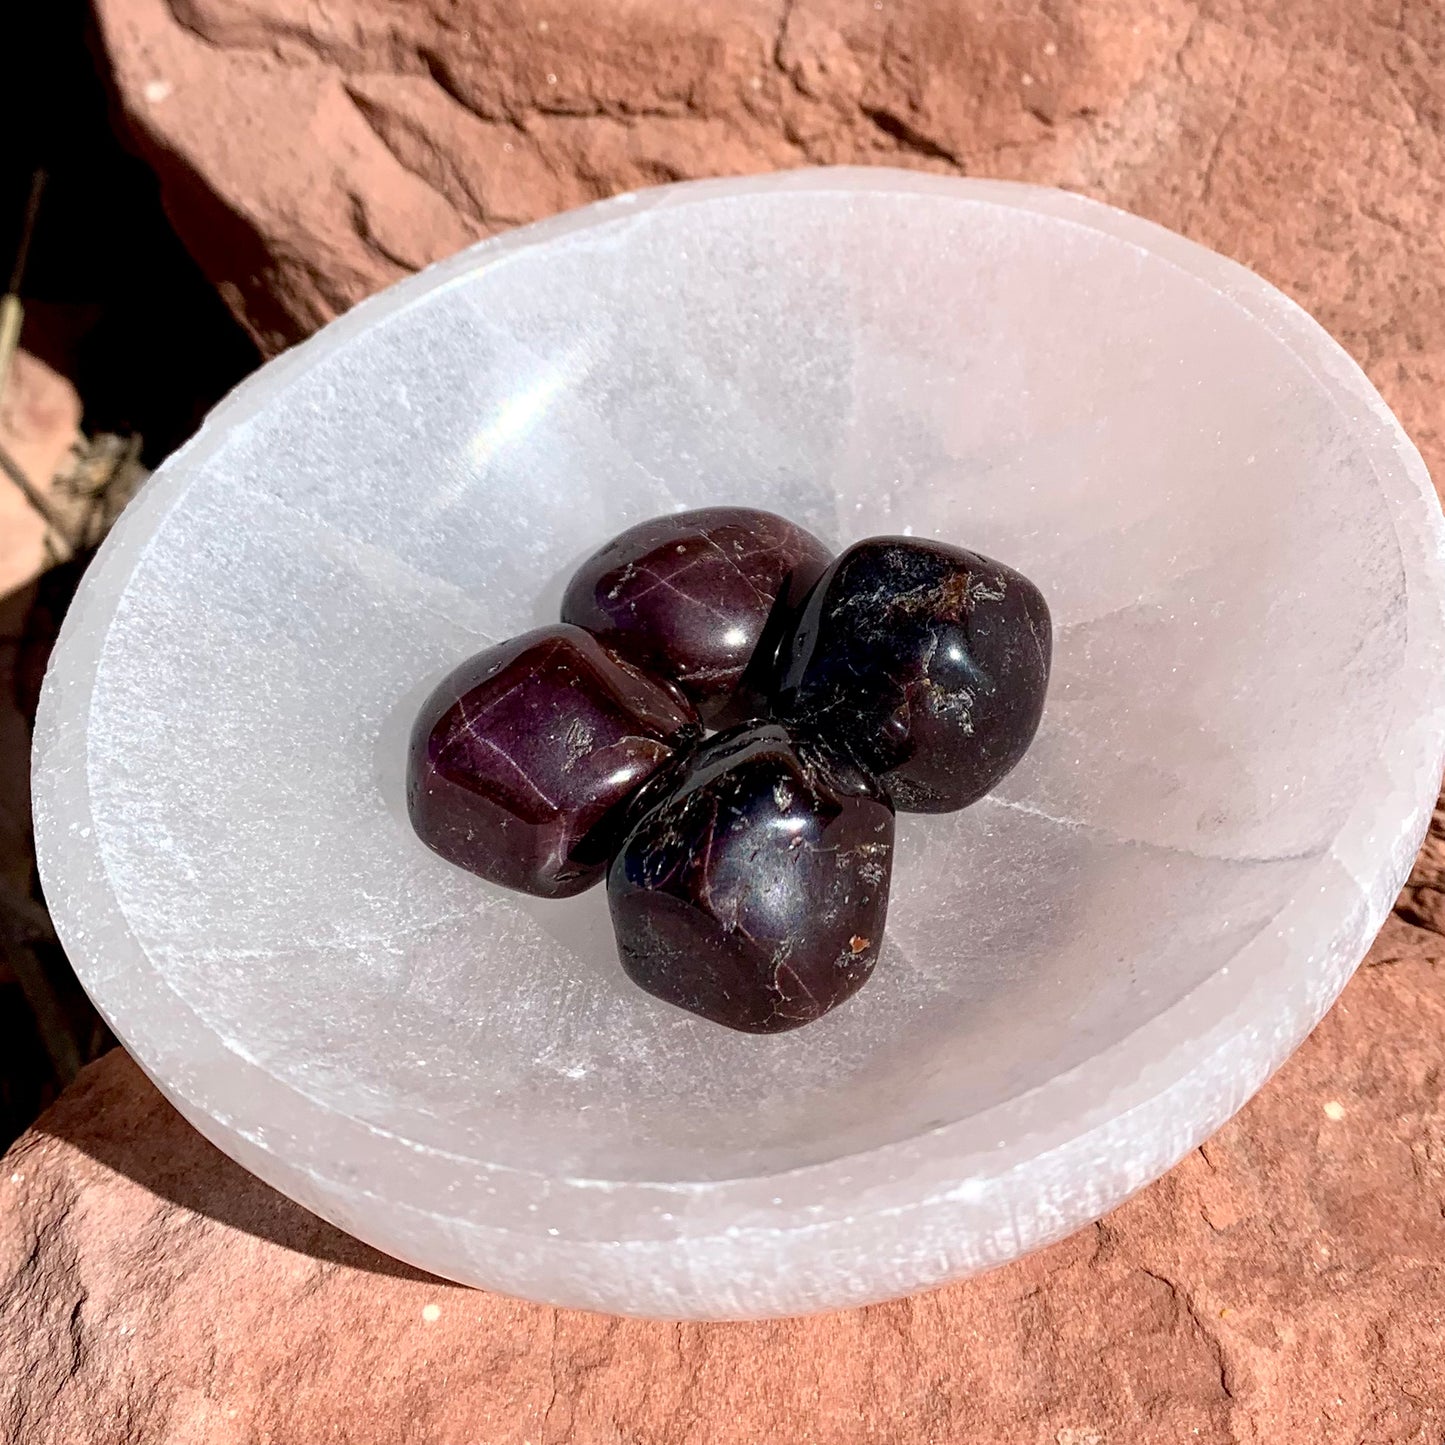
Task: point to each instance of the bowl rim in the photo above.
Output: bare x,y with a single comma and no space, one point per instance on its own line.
941,1184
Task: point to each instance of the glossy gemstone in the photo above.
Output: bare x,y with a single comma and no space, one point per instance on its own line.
695,596
522,756
753,889
927,663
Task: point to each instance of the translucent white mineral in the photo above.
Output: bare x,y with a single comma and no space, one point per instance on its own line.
1084,975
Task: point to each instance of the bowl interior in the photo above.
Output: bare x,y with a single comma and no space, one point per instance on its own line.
1222,571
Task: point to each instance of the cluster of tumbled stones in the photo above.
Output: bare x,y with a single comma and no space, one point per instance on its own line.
748,867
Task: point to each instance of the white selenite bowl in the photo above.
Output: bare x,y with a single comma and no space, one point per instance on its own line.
1084,975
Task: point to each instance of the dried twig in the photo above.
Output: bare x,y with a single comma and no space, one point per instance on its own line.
27,233
31,493
12,313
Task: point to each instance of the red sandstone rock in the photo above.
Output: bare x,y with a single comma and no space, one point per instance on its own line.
310,154
39,424
1286,1283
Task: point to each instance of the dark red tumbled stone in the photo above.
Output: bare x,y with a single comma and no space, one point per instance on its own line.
926,663
692,596
753,888
521,757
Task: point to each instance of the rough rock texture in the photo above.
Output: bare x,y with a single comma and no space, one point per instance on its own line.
313,153
39,424
1284,1283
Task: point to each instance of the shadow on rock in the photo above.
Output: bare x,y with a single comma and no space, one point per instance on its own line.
114,1114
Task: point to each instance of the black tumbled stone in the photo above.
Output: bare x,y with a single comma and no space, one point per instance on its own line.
928,664
753,887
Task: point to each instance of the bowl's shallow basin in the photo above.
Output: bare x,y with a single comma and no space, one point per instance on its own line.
1085,974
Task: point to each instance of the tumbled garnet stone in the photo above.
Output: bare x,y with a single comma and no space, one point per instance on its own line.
927,663
521,757
690,597
753,889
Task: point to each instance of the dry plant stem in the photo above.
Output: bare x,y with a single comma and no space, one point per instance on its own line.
28,490
12,313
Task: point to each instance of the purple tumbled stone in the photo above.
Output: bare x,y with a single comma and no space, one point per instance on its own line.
521,758
696,596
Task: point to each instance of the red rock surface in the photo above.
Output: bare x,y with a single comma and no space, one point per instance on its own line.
1286,1283
39,424
310,153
